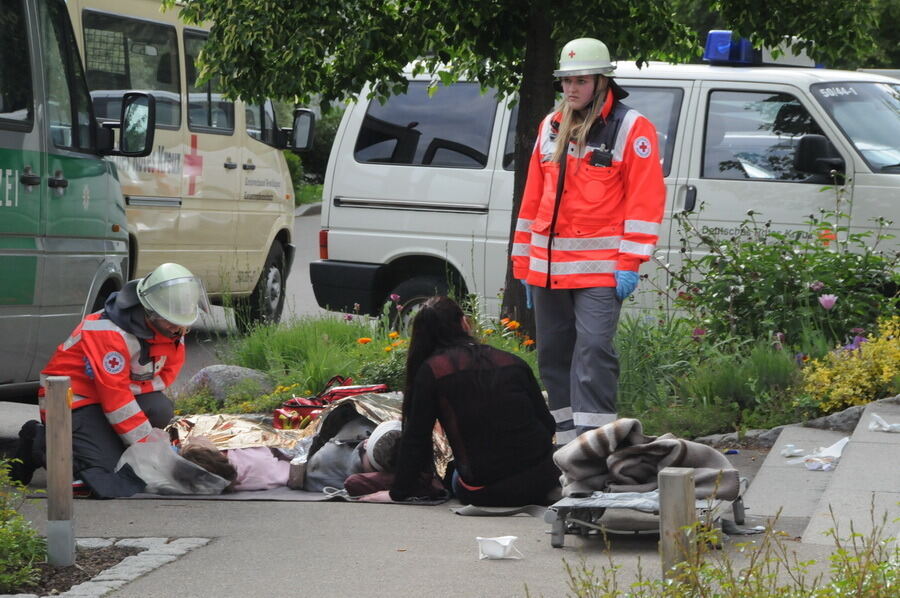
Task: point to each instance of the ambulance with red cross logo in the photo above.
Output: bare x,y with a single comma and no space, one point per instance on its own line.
215,194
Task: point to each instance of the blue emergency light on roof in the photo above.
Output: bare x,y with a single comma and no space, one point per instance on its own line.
723,48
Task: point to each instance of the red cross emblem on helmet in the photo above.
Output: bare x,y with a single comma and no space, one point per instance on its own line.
571,53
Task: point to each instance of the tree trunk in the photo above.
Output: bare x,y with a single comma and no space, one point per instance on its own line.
536,98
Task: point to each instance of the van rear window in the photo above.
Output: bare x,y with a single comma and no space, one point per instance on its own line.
451,128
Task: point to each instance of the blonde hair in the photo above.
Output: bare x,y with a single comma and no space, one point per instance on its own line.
574,126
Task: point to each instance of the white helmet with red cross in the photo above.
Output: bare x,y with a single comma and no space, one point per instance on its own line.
584,56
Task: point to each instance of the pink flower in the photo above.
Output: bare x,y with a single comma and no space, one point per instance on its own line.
348,317
395,297
698,334
827,301
816,286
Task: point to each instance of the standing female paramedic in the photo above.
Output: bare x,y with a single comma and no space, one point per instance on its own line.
590,215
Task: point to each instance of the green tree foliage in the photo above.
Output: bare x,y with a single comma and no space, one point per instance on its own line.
297,48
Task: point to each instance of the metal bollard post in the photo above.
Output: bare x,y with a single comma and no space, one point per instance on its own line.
676,512
60,523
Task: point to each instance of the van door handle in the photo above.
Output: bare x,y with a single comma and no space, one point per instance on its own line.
230,165
690,198
249,166
29,179
58,181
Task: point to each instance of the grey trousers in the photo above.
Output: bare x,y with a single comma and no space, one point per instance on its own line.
578,363
95,443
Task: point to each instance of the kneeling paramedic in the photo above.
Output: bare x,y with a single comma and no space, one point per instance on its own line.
120,360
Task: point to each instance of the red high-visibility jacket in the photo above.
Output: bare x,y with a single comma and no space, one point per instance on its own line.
608,217
103,362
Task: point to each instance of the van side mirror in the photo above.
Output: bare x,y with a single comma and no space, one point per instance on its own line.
816,155
303,133
137,126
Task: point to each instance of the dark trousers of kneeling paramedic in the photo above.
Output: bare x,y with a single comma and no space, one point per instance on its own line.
578,363
96,448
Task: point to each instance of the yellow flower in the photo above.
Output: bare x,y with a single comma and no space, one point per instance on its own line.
388,348
364,340
393,334
489,331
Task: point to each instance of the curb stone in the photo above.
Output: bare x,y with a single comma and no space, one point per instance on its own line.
157,552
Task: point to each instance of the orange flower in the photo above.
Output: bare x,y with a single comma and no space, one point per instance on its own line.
528,342
393,334
504,320
512,325
364,340
397,343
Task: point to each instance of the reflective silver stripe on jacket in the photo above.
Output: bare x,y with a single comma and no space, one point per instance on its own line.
524,224
636,248
582,267
642,226
520,249
71,341
576,243
158,383
142,431
624,130
129,409
131,341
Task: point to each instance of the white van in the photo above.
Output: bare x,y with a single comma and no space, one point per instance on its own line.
215,194
63,235
418,191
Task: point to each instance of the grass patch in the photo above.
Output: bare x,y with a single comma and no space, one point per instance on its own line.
307,193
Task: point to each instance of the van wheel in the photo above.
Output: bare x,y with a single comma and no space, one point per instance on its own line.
412,294
266,302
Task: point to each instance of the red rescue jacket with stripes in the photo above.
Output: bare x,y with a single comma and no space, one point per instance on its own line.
104,364
609,211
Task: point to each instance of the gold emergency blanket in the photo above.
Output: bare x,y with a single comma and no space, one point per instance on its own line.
244,431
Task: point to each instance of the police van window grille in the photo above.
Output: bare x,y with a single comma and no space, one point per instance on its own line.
122,54
16,100
450,127
105,51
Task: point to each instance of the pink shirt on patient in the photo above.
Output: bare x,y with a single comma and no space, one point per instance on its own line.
257,469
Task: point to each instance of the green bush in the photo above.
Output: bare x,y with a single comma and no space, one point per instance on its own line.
763,283
295,168
21,547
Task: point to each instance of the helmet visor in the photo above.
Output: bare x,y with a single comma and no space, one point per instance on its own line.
178,300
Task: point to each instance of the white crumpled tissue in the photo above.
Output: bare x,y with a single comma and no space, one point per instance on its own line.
501,547
877,424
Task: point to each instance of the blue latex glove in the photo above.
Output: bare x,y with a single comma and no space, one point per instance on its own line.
626,282
528,302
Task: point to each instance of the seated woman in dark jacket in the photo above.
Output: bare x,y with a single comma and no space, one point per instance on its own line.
489,405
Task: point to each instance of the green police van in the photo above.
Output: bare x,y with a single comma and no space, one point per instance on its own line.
63,237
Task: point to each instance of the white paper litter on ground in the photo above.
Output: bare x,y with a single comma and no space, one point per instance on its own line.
823,458
501,547
877,424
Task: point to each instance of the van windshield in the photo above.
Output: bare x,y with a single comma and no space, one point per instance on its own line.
869,114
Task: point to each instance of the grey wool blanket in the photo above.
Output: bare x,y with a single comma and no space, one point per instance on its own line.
619,457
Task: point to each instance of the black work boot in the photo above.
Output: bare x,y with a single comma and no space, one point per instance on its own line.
23,465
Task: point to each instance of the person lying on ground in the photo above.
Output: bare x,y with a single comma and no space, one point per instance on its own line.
489,405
